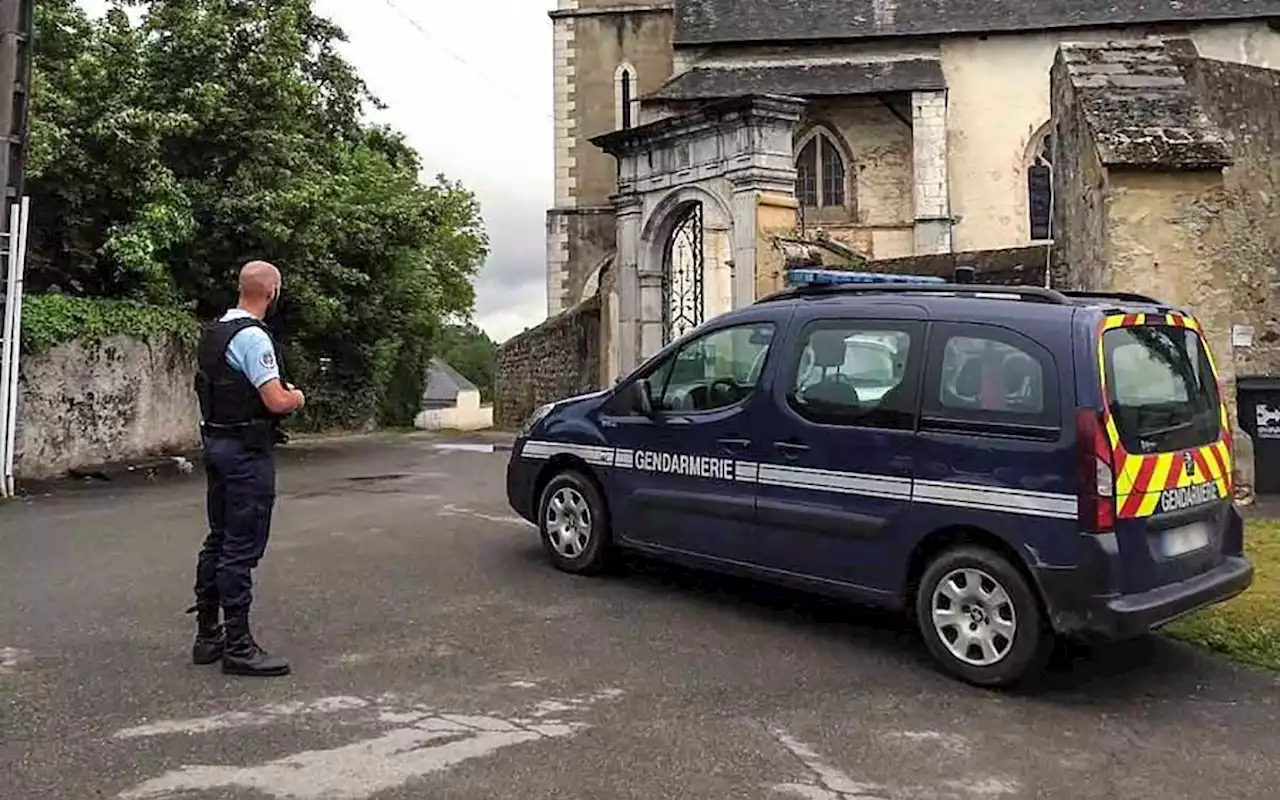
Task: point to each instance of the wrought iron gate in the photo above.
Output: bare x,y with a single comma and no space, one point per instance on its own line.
682,269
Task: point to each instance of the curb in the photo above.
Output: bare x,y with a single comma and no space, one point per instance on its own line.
189,464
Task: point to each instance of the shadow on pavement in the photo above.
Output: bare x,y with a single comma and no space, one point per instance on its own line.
1117,675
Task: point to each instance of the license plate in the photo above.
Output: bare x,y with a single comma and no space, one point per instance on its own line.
1183,540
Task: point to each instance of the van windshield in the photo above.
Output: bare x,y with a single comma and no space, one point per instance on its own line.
1161,388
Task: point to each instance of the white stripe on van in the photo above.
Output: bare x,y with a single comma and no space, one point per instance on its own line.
978,497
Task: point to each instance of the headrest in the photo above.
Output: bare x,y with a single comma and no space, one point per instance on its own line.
969,379
828,348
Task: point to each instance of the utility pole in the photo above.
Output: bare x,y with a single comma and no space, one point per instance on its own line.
17,26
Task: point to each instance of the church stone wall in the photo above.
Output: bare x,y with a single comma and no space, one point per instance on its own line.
591,40
878,217
639,36
998,99
577,241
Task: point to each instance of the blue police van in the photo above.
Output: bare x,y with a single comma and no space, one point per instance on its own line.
1007,464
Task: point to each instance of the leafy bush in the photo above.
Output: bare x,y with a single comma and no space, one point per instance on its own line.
167,153
49,320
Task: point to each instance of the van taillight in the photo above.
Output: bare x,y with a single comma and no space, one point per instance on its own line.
1094,476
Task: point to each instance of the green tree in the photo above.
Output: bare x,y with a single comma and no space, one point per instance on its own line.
471,352
165,154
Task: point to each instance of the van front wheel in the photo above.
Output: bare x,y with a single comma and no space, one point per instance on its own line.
574,524
979,617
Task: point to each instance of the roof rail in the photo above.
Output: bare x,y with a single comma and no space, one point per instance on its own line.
1033,294
1130,297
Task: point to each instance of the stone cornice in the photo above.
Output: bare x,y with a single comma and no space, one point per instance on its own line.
748,109
647,8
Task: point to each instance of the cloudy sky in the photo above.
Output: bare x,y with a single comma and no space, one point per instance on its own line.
469,84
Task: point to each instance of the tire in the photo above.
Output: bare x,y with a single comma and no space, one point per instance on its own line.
1001,620
576,539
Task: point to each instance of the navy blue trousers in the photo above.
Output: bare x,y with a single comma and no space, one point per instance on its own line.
241,494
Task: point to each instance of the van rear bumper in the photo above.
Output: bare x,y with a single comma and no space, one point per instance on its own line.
1131,615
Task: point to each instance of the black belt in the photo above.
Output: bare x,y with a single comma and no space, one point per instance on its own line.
234,430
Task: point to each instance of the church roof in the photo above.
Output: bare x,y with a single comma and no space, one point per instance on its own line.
804,80
1139,109
700,22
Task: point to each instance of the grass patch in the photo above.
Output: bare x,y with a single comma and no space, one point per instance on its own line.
1248,627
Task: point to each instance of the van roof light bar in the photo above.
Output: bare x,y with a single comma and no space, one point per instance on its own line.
922,284
835,277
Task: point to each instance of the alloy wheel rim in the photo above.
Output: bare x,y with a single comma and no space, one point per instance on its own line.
974,617
568,522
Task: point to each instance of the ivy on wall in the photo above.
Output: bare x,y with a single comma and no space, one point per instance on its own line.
49,320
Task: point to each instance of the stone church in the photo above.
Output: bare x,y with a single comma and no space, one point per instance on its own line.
696,139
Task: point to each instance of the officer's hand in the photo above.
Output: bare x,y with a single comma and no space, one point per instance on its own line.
302,398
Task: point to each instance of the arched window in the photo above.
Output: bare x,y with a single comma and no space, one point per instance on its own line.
626,98
820,172
1040,189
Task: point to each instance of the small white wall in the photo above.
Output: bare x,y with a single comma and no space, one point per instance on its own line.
465,415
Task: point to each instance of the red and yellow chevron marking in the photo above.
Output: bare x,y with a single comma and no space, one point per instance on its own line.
1140,479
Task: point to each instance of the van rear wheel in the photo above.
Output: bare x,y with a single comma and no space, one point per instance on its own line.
979,617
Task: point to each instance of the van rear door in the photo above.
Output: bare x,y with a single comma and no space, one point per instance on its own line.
1169,434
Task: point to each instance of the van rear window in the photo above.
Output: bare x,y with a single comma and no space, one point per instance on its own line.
1161,388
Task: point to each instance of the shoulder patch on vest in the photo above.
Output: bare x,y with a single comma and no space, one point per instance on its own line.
268,359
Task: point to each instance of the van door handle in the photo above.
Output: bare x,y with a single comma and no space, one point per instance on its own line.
735,445
792,449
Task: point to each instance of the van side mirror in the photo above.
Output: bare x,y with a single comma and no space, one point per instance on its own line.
633,398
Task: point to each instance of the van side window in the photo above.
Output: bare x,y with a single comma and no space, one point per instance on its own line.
715,371
985,375
857,372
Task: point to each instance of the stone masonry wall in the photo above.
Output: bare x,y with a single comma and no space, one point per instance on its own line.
560,358
1245,102
578,239
1019,266
933,211
1150,199
1079,192
87,404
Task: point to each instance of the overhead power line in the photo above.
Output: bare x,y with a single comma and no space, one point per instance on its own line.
435,42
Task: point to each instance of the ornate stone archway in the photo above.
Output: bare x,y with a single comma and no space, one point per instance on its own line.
725,157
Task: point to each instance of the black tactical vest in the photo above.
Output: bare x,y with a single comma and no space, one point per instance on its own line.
227,397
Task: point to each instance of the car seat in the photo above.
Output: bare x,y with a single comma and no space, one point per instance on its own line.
834,388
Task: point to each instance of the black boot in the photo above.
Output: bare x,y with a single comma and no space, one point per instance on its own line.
242,655
210,640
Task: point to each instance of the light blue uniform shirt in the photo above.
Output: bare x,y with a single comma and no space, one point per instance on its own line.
251,352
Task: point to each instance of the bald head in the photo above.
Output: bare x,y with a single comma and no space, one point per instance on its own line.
259,281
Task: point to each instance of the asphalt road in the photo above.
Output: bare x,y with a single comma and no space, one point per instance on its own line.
436,655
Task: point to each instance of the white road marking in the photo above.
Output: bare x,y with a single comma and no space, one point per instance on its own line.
450,510
423,742
829,783
11,658
947,741
466,448
243,719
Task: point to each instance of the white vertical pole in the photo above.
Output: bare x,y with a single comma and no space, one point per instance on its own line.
20,246
6,355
